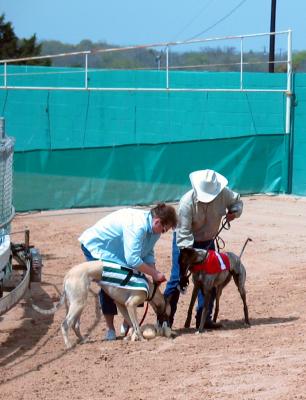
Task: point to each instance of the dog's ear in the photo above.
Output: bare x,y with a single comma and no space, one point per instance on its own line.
199,255
184,256
187,251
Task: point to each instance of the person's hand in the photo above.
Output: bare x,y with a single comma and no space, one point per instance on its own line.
230,217
159,277
184,282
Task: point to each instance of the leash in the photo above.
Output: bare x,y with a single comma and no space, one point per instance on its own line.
144,314
220,244
155,286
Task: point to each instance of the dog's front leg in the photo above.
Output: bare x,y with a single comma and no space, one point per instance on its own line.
207,296
137,334
131,306
219,290
191,305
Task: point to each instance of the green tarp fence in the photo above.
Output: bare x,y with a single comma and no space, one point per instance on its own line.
98,148
297,172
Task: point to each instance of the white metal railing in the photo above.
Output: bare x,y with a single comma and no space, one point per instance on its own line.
289,82
167,46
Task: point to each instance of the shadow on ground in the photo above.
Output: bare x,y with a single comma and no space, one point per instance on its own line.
239,324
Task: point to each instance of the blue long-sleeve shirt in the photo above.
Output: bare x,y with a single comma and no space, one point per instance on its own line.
124,237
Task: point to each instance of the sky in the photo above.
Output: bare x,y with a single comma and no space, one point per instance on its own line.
140,22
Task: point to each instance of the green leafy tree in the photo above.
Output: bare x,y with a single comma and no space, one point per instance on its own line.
13,47
8,39
299,61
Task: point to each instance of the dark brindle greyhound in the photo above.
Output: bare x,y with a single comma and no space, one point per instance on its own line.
204,281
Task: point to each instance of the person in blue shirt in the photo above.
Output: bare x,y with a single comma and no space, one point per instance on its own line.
127,237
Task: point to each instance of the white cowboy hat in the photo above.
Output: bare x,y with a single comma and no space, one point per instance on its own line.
207,184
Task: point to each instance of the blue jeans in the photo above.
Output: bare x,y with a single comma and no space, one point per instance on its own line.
107,304
171,287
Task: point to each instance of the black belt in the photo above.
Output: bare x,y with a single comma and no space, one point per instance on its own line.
128,277
205,245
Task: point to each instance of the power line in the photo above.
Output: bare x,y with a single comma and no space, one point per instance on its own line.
206,5
219,21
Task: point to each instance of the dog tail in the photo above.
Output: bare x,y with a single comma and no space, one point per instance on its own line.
53,309
244,246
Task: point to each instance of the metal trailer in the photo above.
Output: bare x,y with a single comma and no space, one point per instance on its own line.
20,263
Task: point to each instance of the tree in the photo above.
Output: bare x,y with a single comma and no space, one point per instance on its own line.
8,39
13,47
299,61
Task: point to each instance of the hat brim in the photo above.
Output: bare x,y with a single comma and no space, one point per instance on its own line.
207,198
203,196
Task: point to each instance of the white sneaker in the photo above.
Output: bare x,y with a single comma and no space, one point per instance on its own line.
110,335
124,329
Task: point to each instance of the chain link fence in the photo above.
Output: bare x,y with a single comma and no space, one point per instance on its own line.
6,193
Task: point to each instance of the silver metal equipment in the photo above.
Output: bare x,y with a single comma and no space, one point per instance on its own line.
20,264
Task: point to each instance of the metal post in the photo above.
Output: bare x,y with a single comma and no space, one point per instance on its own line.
5,75
2,128
27,239
158,61
272,36
289,83
241,63
167,67
86,71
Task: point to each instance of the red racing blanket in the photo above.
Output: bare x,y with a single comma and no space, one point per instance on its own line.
214,263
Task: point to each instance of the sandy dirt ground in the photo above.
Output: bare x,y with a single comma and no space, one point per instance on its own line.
266,361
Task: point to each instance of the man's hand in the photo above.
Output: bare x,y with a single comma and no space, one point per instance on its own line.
184,282
159,277
147,269
230,217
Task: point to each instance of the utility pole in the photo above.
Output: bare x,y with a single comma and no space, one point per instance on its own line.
272,37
